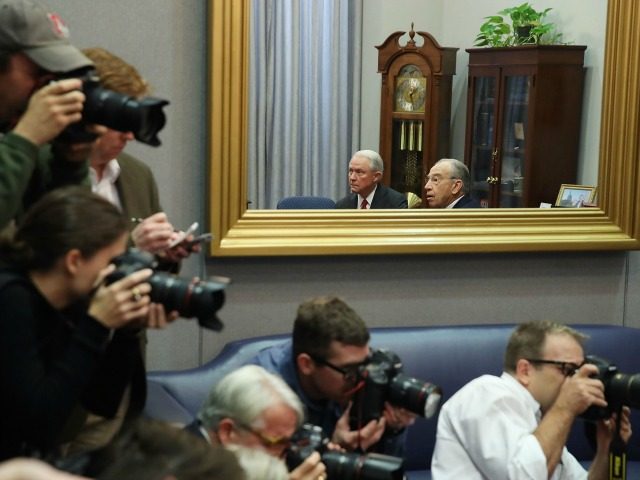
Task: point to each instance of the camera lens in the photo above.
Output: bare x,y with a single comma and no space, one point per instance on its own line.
373,466
419,397
190,299
144,117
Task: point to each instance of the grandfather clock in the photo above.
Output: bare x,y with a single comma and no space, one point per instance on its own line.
415,107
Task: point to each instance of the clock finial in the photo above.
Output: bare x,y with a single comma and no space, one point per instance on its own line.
412,34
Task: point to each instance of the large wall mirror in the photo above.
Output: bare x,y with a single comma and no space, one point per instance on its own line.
242,232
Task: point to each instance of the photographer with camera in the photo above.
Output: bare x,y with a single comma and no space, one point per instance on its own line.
71,368
321,364
126,181
34,109
516,425
256,409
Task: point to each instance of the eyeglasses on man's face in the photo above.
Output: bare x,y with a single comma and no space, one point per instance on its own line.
568,369
436,179
269,442
349,372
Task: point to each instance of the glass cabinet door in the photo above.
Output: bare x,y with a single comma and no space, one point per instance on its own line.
482,140
513,141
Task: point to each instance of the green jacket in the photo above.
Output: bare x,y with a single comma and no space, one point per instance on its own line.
27,172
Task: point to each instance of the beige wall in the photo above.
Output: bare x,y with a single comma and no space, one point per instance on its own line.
166,40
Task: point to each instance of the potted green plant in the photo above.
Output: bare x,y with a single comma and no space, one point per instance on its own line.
527,27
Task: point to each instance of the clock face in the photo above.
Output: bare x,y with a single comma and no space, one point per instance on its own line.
410,93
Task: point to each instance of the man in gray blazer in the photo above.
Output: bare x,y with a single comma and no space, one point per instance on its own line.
365,175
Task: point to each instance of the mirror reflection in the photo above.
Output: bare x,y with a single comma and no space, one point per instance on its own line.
308,124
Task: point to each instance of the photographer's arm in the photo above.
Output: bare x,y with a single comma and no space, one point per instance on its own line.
605,432
576,394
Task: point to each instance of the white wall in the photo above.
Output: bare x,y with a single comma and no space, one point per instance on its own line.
165,39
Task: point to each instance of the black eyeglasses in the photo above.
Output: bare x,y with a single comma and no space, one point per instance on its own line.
350,372
567,368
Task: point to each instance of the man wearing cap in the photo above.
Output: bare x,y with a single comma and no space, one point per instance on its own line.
34,49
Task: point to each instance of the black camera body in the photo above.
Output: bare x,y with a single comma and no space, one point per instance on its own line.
383,381
619,389
189,298
143,117
340,465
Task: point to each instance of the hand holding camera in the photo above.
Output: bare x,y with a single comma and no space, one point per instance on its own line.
122,302
357,438
188,297
340,465
50,110
580,391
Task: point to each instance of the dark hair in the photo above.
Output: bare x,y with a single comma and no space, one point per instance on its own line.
154,450
527,340
63,219
5,58
321,320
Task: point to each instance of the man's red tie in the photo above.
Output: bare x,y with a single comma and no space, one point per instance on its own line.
364,205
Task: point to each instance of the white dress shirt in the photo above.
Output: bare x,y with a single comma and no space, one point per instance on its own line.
106,186
485,431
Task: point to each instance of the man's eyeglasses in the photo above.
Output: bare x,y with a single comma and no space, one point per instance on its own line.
267,441
350,372
567,368
436,179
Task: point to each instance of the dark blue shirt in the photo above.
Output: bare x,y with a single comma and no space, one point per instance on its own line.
278,360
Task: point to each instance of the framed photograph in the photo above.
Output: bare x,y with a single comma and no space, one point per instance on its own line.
575,196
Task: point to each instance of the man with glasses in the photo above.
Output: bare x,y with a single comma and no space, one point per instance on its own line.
367,191
448,185
253,408
321,362
516,425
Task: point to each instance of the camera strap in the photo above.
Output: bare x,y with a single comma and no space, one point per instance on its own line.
618,453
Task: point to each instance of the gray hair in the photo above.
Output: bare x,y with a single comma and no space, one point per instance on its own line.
460,171
258,464
244,394
375,160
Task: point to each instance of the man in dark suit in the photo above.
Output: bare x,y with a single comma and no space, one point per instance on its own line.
448,185
365,175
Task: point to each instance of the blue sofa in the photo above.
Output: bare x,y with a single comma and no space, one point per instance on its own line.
447,356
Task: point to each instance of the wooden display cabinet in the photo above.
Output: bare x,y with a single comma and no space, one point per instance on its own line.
524,110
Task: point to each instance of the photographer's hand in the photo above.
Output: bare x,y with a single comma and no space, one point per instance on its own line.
158,317
398,418
580,391
122,302
364,438
605,433
50,110
310,469
153,234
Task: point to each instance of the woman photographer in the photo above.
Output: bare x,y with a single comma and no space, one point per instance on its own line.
70,361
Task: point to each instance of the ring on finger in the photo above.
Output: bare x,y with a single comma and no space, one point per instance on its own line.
135,294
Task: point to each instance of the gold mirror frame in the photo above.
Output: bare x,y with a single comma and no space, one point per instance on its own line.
242,232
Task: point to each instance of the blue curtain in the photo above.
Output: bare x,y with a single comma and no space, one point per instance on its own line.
304,84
